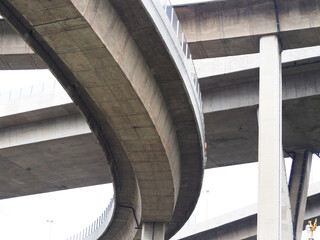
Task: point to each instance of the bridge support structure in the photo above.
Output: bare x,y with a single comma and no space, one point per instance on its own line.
274,215
153,231
298,187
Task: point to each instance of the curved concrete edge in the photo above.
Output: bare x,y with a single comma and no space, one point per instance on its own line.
125,217
156,168
66,77
163,26
20,24
98,227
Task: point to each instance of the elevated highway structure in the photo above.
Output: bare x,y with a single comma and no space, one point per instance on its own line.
46,144
138,96
257,113
134,94
226,28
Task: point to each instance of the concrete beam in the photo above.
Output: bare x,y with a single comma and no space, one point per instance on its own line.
301,99
298,187
225,28
15,53
30,151
223,71
34,103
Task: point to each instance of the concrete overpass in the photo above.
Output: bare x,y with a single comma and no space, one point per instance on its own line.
233,131
242,224
226,28
40,130
15,52
147,117
54,104
236,93
234,88
254,105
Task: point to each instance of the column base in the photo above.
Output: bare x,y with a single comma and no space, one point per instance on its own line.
153,231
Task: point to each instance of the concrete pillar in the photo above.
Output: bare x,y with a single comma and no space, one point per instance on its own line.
271,166
286,216
153,231
299,182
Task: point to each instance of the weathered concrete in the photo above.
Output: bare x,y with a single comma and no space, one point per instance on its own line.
15,53
140,113
33,143
300,115
298,187
233,27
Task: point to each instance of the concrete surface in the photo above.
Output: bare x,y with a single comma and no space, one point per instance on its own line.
270,156
135,119
15,53
233,27
210,69
238,96
298,187
153,231
140,113
41,129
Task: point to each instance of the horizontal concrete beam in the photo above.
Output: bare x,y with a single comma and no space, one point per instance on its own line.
225,28
29,152
43,131
233,108
15,53
244,94
33,103
210,68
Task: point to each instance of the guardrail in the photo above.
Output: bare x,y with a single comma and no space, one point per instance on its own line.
176,26
96,229
169,27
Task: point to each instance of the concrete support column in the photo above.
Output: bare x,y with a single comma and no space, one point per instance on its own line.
271,166
153,231
299,182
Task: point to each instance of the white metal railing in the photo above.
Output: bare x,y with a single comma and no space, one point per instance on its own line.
176,26
96,229
168,25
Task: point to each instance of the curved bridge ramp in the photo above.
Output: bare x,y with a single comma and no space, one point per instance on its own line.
125,68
